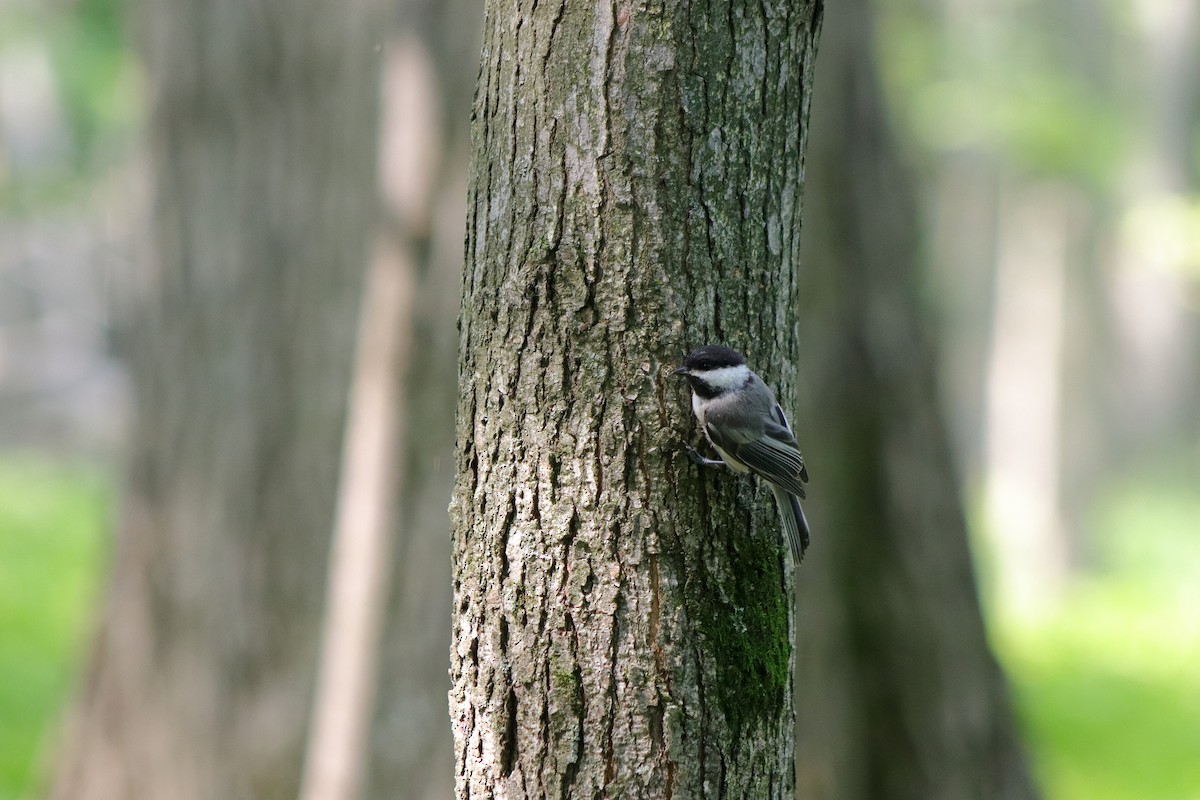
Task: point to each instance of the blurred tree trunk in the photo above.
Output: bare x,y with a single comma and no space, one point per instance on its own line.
429,77
622,619
1038,235
263,140
899,694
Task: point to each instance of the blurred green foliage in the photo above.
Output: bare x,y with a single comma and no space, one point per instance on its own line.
96,89
1108,685
96,72
1106,720
52,546
1008,82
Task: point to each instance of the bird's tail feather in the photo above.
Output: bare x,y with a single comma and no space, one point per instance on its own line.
793,522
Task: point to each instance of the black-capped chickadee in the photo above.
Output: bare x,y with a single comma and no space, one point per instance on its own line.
744,424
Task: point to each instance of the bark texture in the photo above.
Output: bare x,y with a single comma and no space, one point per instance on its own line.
622,622
262,132
899,695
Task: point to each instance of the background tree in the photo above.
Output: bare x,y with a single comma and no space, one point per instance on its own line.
622,621
262,129
429,79
898,693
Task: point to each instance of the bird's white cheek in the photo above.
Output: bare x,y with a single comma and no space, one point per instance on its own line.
727,377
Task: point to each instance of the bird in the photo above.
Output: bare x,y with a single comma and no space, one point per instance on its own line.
746,426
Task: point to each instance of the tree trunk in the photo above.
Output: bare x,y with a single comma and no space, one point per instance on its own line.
622,622
429,77
899,695
263,140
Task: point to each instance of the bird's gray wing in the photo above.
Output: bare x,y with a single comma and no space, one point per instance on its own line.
767,448
787,436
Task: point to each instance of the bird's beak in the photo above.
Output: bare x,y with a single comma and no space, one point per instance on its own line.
679,371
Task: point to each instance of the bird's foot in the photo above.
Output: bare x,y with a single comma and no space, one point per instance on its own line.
700,460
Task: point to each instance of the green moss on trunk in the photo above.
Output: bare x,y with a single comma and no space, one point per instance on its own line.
742,617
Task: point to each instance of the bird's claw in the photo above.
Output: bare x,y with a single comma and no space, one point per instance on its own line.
696,458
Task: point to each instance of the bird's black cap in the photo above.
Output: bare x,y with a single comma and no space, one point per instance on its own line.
712,356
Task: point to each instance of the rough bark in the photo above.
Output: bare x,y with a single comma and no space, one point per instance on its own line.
622,622
899,695
262,131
